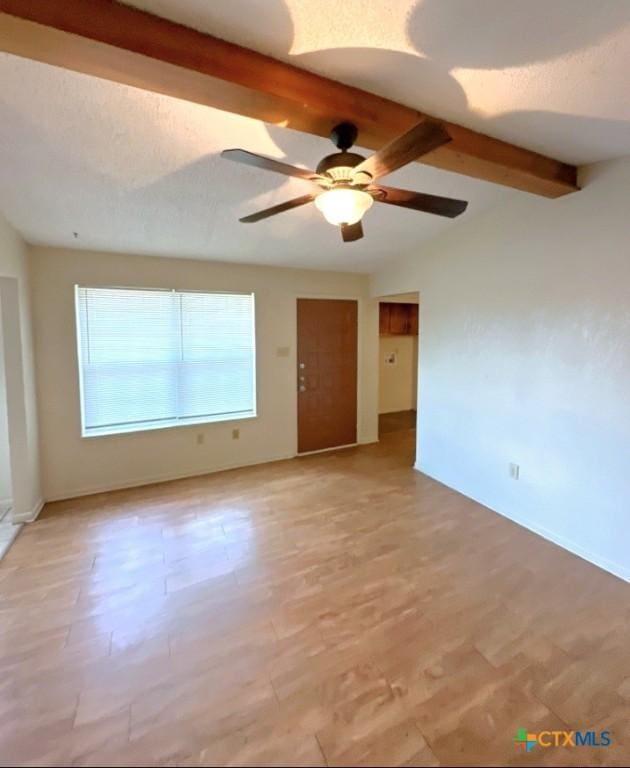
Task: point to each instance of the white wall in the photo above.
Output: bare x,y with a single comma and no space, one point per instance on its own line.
525,349
398,387
5,457
19,373
72,465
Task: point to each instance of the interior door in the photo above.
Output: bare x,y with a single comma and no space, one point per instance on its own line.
327,373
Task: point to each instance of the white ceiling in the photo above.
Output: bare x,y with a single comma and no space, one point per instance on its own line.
134,171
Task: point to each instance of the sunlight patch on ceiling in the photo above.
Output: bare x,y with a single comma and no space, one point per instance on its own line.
338,25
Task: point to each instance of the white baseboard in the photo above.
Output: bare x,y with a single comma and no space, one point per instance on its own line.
327,450
31,515
620,571
75,493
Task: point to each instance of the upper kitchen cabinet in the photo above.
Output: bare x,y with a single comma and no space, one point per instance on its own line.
397,319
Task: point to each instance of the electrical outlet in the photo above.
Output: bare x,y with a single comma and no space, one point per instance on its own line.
515,471
200,438
236,434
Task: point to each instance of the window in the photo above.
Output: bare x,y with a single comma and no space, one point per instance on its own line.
151,358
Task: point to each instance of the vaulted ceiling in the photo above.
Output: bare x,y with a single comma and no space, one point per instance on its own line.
130,170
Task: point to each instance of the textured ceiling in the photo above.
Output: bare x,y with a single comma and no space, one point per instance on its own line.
129,170
550,75
133,171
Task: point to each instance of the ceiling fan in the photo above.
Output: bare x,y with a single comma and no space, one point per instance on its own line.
346,179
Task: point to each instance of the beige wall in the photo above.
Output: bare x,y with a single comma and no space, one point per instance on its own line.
402,298
398,384
19,373
73,465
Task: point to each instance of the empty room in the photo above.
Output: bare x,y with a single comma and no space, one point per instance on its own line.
314,383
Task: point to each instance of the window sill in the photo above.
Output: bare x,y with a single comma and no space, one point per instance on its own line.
153,426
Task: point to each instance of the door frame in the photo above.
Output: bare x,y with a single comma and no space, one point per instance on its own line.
384,298
360,338
15,388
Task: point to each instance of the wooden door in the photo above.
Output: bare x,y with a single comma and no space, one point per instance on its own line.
327,373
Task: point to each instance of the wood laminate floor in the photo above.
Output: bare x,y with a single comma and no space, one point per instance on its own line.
397,421
339,608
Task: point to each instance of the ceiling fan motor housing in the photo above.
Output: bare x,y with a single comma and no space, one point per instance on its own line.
339,165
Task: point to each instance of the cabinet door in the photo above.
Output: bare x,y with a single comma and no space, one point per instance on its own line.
384,319
399,320
413,319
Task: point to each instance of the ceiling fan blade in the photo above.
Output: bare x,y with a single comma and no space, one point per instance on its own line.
268,164
419,201
422,138
351,232
264,214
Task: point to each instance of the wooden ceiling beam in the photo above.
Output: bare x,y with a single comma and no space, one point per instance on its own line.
113,41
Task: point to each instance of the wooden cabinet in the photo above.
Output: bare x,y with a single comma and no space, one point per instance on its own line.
397,319
413,319
383,319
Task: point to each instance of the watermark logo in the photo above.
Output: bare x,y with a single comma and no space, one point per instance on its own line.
528,740
545,739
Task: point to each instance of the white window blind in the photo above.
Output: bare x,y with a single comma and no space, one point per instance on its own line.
151,358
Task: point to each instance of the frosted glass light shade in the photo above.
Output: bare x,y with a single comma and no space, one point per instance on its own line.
343,205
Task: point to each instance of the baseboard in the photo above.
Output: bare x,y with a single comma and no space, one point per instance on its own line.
30,516
77,493
153,479
620,571
327,450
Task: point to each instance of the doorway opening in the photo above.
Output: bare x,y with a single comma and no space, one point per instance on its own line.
8,531
398,365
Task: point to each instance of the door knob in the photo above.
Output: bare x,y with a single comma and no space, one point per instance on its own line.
302,388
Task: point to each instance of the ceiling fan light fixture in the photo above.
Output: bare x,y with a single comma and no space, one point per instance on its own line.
343,205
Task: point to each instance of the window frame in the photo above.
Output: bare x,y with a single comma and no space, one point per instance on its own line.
149,426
